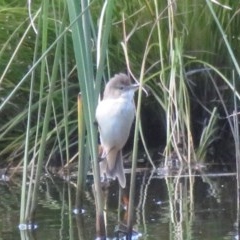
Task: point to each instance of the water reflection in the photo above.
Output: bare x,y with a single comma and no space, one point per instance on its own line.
199,207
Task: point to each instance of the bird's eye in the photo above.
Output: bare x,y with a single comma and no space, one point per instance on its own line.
121,87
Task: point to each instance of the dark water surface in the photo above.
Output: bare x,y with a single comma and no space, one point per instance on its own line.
200,207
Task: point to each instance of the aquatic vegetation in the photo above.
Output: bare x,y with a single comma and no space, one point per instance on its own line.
183,52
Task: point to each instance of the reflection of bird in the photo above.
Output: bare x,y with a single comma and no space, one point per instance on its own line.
115,114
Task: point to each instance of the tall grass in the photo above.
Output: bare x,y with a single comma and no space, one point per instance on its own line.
185,52
83,34
178,52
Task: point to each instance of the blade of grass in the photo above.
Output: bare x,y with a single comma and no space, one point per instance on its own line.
224,37
46,121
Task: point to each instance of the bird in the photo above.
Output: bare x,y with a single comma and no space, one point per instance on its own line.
115,114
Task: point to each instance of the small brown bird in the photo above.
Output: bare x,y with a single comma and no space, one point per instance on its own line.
115,115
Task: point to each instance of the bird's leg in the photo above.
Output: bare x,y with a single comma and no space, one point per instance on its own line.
105,154
102,157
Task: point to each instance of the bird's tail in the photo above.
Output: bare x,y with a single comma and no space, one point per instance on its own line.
119,170
115,166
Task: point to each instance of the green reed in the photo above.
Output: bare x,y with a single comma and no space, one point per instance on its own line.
179,50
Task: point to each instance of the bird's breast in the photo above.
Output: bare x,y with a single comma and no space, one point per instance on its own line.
115,118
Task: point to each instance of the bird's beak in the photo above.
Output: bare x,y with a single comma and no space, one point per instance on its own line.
136,87
133,87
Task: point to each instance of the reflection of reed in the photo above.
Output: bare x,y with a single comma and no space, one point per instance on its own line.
237,156
26,235
100,215
143,196
80,226
181,203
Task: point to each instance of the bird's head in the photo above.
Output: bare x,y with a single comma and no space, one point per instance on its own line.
120,86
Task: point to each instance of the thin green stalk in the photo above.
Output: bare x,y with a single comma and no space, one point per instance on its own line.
137,127
145,146
134,162
46,122
102,40
82,169
81,34
43,32
160,41
184,105
65,87
58,131
224,36
12,36
170,101
6,69
24,204
63,69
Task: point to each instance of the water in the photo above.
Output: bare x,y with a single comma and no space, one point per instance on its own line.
197,208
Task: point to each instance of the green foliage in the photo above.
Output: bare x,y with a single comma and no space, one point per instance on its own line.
19,64
169,44
185,52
